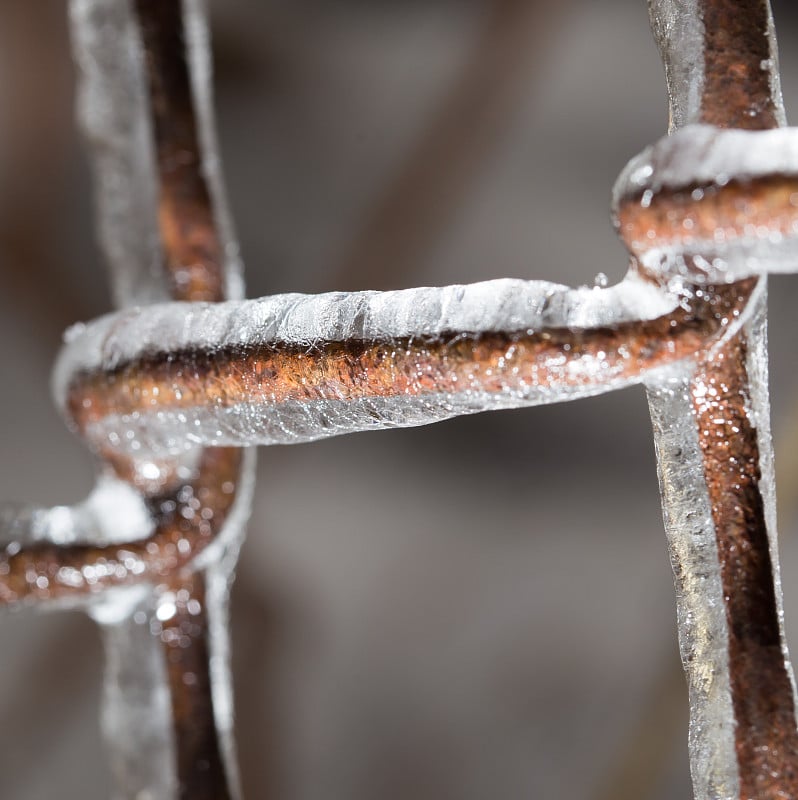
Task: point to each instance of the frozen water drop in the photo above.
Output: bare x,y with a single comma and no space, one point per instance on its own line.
73,332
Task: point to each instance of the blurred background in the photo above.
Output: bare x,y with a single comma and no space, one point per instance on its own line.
475,610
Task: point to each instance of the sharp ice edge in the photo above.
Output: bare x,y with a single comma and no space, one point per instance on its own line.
679,32
775,73
114,113
704,154
757,366
711,262
114,512
137,711
701,611
302,320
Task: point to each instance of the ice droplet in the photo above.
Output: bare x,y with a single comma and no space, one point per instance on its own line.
73,332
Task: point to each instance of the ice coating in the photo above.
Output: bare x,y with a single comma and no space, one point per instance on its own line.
679,33
297,319
710,420
140,63
712,205
294,368
114,114
712,433
701,615
200,72
136,717
88,521
693,40
299,368
704,154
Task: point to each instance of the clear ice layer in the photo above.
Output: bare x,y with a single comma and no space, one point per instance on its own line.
113,110
710,158
701,612
308,321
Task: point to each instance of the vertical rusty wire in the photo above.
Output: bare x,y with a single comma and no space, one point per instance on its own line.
738,93
194,261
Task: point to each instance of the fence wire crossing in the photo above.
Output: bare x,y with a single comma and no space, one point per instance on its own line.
173,395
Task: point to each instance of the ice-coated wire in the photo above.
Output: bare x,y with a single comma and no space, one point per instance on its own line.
146,109
113,109
300,368
710,205
711,422
745,76
703,213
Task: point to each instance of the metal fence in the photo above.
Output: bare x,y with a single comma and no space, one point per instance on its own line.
705,213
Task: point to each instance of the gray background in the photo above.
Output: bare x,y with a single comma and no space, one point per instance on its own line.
475,610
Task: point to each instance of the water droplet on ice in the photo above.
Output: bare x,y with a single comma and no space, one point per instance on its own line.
166,611
641,174
149,471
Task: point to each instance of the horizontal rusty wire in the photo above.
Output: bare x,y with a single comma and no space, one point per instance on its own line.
516,367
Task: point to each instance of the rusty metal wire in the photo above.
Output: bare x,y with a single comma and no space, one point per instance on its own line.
708,323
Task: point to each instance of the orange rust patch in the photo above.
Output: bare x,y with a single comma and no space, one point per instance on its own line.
765,734
495,362
714,213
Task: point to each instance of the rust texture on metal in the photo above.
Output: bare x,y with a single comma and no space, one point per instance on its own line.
761,690
185,636
696,214
194,261
737,90
192,247
738,93
186,521
493,363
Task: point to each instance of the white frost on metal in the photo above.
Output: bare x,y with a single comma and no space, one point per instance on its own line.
708,158
113,513
706,155
390,318
297,319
